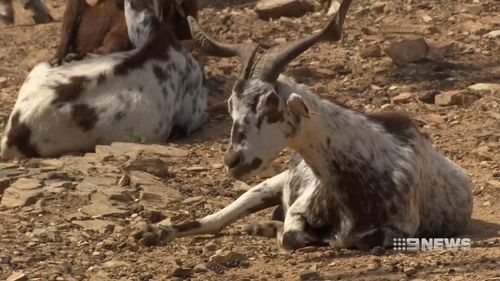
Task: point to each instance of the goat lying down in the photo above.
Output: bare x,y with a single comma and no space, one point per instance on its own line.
144,92
102,28
356,180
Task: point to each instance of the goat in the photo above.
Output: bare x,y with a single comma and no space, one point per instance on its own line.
356,180
102,28
143,92
40,12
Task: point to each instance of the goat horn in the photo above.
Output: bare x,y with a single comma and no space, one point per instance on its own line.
272,64
246,52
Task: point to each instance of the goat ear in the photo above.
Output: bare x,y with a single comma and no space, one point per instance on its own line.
297,106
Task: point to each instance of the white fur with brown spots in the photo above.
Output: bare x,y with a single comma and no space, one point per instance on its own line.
356,180
144,92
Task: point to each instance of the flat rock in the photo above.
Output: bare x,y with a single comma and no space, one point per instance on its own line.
267,9
403,98
407,51
135,148
101,226
485,87
156,167
372,51
454,98
493,34
17,276
154,193
241,187
22,192
97,210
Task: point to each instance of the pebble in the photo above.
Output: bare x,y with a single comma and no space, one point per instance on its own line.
183,272
17,276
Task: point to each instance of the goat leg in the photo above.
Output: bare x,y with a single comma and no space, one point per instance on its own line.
71,21
264,195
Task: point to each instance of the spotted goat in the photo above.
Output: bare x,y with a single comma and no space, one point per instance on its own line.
356,180
101,28
146,92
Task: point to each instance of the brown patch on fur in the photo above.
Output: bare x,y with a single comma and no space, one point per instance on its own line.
84,116
70,91
19,136
155,49
187,226
397,124
159,73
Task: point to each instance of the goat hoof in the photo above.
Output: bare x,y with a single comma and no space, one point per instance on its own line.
153,235
293,239
40,18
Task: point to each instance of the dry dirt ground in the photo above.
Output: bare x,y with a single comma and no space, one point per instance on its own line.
79,211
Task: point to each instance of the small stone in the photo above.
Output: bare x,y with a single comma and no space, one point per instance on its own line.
155,167
493,34
192,199
387,107
374,265
197,169
3,82
182,272
372,51
402,98
310,275
426,18
201,267
369,31
241,187
487,204
409,271
407,51
17,276
427,97
210,247
267,9
124,180
454,98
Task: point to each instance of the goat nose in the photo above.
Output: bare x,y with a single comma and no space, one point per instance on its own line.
232,158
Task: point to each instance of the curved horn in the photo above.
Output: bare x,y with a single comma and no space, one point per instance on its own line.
273,62
246,52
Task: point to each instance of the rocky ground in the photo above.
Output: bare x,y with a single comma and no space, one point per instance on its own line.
70,218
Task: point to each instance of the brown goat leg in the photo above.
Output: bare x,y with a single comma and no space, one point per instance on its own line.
71,21
115,41
6,12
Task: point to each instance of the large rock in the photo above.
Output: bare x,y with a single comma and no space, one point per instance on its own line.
22,192
152,188
267,9
454,98
485,87
407,51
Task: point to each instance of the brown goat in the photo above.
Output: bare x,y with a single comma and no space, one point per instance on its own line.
101,28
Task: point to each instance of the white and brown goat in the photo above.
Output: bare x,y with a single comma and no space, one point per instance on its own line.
102,28
40,12
146,92
356,180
